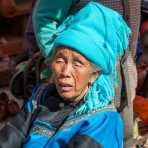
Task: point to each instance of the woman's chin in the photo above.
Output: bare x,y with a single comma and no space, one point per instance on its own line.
67,96
66,92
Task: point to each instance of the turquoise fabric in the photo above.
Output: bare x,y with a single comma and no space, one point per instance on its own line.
98,127
95,31
47,15
100,34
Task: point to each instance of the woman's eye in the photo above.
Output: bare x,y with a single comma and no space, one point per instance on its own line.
77,64
59,60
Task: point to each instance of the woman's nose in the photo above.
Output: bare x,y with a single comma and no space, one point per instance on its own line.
66,70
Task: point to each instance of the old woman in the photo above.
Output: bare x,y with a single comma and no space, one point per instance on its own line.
77,110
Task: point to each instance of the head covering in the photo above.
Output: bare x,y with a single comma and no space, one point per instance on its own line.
100,34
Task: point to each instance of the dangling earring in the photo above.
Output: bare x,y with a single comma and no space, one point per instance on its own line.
89,84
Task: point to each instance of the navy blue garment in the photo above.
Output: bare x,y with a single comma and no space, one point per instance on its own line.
56,125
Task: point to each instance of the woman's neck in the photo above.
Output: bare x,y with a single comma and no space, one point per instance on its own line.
81,96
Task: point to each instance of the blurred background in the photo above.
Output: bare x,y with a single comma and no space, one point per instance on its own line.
17,45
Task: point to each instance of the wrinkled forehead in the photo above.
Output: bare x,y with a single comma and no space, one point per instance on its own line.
67,51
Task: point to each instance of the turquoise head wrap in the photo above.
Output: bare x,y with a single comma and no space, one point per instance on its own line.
100,34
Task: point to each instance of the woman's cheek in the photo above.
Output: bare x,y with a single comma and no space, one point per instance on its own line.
81,80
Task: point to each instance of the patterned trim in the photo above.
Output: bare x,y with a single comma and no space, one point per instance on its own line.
71,122
42,131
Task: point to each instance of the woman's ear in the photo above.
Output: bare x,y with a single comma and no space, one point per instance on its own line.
94,75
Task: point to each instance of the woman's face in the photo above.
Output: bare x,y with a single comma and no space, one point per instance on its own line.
71,73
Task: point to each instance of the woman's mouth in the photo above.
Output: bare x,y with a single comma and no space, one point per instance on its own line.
65,87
